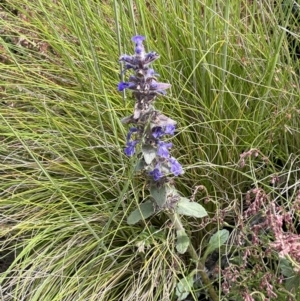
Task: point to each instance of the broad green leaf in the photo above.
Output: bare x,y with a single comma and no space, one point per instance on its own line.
184,287
159,194
188,208
292,284
217,240
182,242
140,165
145,210
286,267
149,153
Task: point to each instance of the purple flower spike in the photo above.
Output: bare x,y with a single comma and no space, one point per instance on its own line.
176,168
156,173
130,148
163,149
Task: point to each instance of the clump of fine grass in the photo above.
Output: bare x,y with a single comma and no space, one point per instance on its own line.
66,186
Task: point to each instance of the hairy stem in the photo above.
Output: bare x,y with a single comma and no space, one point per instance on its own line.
200,267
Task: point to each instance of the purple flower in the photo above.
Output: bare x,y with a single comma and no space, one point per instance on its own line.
122,86
157,132
151,57
163,149
160,87
126,58
169,130
138,39
176,168
129,85
130,61
139,47
151,73
156,173
131,131
130,148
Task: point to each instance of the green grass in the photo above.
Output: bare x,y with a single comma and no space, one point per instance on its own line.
66,186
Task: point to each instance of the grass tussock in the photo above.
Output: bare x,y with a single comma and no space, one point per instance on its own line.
66,186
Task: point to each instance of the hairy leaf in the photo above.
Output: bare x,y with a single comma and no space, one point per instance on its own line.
140,165
149,153
217,240
159,194
182,242
292,282
184,287
188,208
286,267
145,210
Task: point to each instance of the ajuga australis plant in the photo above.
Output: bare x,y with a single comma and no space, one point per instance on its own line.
147,139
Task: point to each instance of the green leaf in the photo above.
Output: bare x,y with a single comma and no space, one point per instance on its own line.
145,210
217,240
286,267
292,283
140,165
159,194
149,153
182,241
184,287
188,208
